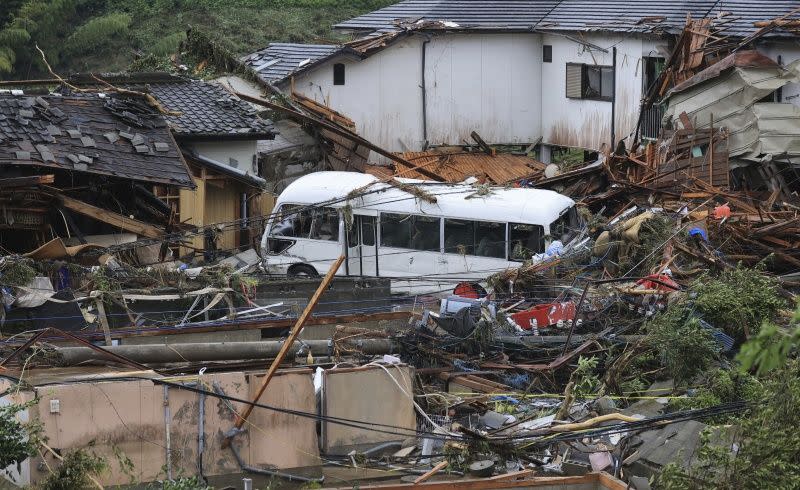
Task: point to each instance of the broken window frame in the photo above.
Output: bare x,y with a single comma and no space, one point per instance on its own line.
587,92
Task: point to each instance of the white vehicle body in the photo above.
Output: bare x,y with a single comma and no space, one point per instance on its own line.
384,231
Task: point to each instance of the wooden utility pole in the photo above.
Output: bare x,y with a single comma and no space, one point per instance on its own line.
298,327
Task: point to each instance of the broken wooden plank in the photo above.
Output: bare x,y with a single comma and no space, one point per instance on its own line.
111,218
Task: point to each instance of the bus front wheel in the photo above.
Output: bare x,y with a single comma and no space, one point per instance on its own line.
302,270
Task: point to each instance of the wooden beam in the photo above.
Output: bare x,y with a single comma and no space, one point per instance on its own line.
298,327
112,218
341,132
427,476
27,181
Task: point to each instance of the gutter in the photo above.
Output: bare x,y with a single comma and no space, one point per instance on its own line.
235,173
424,94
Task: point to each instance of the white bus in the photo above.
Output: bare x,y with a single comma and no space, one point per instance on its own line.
467,235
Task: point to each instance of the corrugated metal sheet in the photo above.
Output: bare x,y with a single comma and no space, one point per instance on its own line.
575,15
456,166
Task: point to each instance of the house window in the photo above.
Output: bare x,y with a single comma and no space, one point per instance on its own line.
547,53
338,74
590,82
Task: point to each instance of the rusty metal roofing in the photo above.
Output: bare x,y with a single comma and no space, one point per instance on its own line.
117,136
639,16
457,165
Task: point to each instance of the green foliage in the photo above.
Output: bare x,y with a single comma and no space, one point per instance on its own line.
74,471
16,273
183,483
738,301
586,381
721,386
768,443
155,27
770,348
685,347
98,32
18,440
168,45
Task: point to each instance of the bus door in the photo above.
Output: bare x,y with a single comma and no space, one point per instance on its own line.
362,249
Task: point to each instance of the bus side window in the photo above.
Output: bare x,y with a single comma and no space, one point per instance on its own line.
490,239
459,236
324,225
425,233
367,224
481,238
525,241
395,230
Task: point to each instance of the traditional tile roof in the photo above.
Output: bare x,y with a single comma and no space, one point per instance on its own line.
117,136
643,16
278,61
206,109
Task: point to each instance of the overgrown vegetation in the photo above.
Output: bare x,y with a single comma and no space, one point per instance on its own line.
684,346
763,453
18,440
75,472
107,35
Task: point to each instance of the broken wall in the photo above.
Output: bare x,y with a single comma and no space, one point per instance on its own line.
732,100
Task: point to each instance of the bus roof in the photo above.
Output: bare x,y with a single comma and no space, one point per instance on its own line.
516,205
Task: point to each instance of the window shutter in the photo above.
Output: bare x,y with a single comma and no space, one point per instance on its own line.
574,72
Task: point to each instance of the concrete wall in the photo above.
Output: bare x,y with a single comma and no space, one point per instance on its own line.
129,417
487,83
587,123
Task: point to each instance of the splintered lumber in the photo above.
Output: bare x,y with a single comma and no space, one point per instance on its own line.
436,469
112,218
287,344
26,181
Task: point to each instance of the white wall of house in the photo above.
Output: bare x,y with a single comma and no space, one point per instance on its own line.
584,123
489,83
495,84
381,94
788,51
222,151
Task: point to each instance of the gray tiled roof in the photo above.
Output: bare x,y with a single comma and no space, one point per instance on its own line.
607,15
118,136
279,60
208,110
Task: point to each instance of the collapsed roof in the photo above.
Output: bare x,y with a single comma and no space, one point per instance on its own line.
201,110
97,134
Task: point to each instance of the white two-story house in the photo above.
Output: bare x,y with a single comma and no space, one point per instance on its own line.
566,73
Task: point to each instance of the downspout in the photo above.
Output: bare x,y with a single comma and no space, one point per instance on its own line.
613,98
424,95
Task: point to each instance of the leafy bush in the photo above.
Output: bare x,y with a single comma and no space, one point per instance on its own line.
685,347
18,441
75,471
767,442
98,32
721,386
738,301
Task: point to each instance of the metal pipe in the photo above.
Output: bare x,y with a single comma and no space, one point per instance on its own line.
210,351
167,417
424,95
613,98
